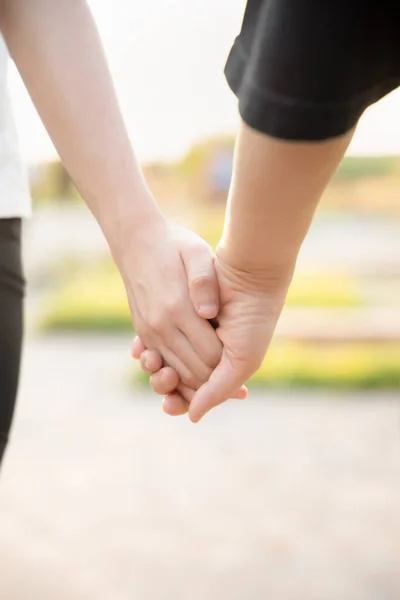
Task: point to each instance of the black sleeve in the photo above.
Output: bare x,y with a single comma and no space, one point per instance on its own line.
307,69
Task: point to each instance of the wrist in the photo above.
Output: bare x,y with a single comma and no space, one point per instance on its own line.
127,223
269,275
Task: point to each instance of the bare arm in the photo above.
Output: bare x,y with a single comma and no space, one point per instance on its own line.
56,48
275,190
58,53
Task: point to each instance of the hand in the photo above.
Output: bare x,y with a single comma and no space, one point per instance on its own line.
165,381
168,271
250,305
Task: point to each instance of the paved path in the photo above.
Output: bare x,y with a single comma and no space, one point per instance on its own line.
285,497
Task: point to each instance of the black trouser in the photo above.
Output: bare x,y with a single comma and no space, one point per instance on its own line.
11,321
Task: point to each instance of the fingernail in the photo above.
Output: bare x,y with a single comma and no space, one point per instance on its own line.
145,360
207,310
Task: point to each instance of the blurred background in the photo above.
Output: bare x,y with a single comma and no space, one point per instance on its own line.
293,494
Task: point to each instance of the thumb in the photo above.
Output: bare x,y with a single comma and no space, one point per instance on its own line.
224,382
202,280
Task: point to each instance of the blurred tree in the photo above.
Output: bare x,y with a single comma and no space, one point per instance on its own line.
361,167
207,167
50,182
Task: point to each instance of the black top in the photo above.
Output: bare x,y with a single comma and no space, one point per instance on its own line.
307,69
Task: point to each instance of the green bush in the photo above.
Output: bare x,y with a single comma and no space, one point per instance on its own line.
345,365
328,291
341,366
93,298
50,183
359,167
197,157
89,300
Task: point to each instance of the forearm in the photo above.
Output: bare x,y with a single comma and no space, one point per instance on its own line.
275,190
58,53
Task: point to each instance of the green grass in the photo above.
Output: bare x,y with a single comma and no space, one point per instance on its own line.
209,225
344,366
333,290
93,298
327,291
352,365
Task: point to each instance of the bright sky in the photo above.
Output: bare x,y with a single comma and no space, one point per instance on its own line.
167,61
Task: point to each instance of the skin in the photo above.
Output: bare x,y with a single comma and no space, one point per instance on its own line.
275,190
168,271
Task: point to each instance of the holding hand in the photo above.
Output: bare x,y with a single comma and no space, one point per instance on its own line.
275,189
250,305
168,271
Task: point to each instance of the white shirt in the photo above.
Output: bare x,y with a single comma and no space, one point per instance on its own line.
14,188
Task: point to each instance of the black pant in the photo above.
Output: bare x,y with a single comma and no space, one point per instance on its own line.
11,321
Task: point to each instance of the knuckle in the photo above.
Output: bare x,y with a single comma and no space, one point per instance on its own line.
213,357
198,245
190,380
204,248
201,279
186,393
157,321
175,307
210,351
204,373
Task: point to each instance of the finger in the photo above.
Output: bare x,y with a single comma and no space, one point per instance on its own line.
137,348
188,393
203,338
178,403
202,280
241,394
223,383
174,405
165,381
193,372
150,361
